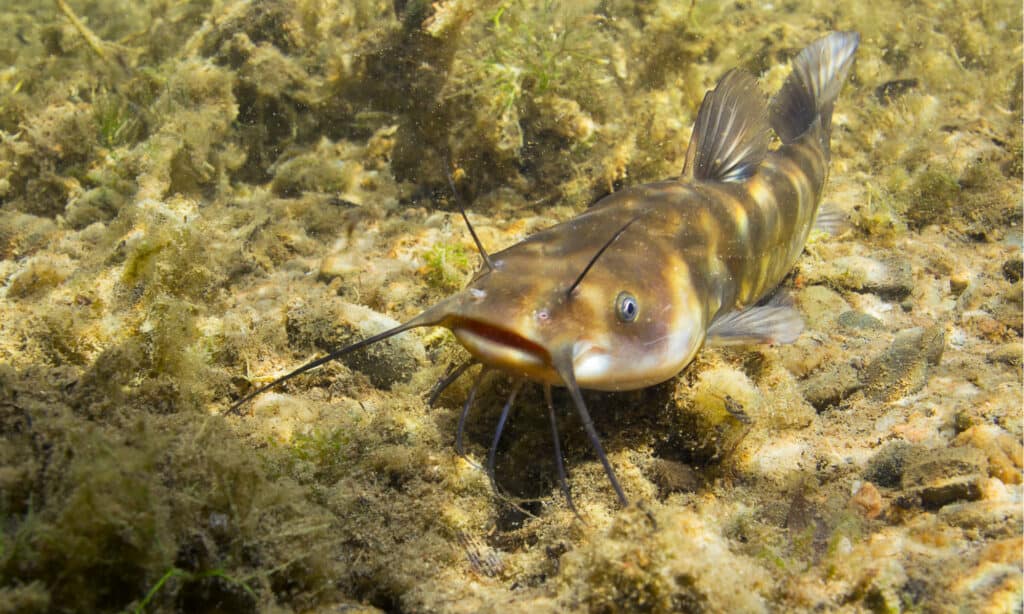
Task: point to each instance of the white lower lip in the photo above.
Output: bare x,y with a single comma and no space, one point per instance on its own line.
495,353
594,367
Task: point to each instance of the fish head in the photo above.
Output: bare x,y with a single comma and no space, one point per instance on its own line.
626,324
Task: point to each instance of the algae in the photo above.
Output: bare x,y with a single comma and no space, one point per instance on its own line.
446,266
196,197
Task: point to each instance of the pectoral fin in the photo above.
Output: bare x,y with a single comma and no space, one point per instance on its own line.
771,323
831,219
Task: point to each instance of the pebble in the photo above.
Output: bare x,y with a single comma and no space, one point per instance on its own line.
982,324
886,467
867,500
1005,452
1012,269
937,477
1007,309
958,283
672,476
1008,354
22,234
831,386
993,519
778,458
40,275
707,424
860,320
904,368
819,306
889,277
989,582
958,337
333,323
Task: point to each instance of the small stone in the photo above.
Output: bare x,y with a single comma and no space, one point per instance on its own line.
39,276
1005,452
886,467
958,283
892,90
1012,269
332,324
1008,310
889,277
831,386
981,324
993,519
993,489
819,306
22,234
904,368
565,118
672,476
964,420
786,407
935,478
867,500
1007,354
942,492
706,424
859,320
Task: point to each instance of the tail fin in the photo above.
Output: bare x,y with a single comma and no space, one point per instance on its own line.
809,92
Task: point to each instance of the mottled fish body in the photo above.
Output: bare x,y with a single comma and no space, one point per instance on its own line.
699,252
625,294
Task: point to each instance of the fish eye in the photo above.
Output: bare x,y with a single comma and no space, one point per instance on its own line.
626,307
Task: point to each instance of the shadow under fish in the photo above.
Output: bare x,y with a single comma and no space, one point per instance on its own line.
624,295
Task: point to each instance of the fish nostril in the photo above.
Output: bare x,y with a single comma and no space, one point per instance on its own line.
477,294
542,315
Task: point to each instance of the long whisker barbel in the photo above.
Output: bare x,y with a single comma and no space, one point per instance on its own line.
492,452
448,379
563,482
460,430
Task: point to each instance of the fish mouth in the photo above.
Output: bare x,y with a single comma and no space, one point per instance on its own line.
503,348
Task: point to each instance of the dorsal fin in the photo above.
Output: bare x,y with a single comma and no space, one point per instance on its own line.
730,138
